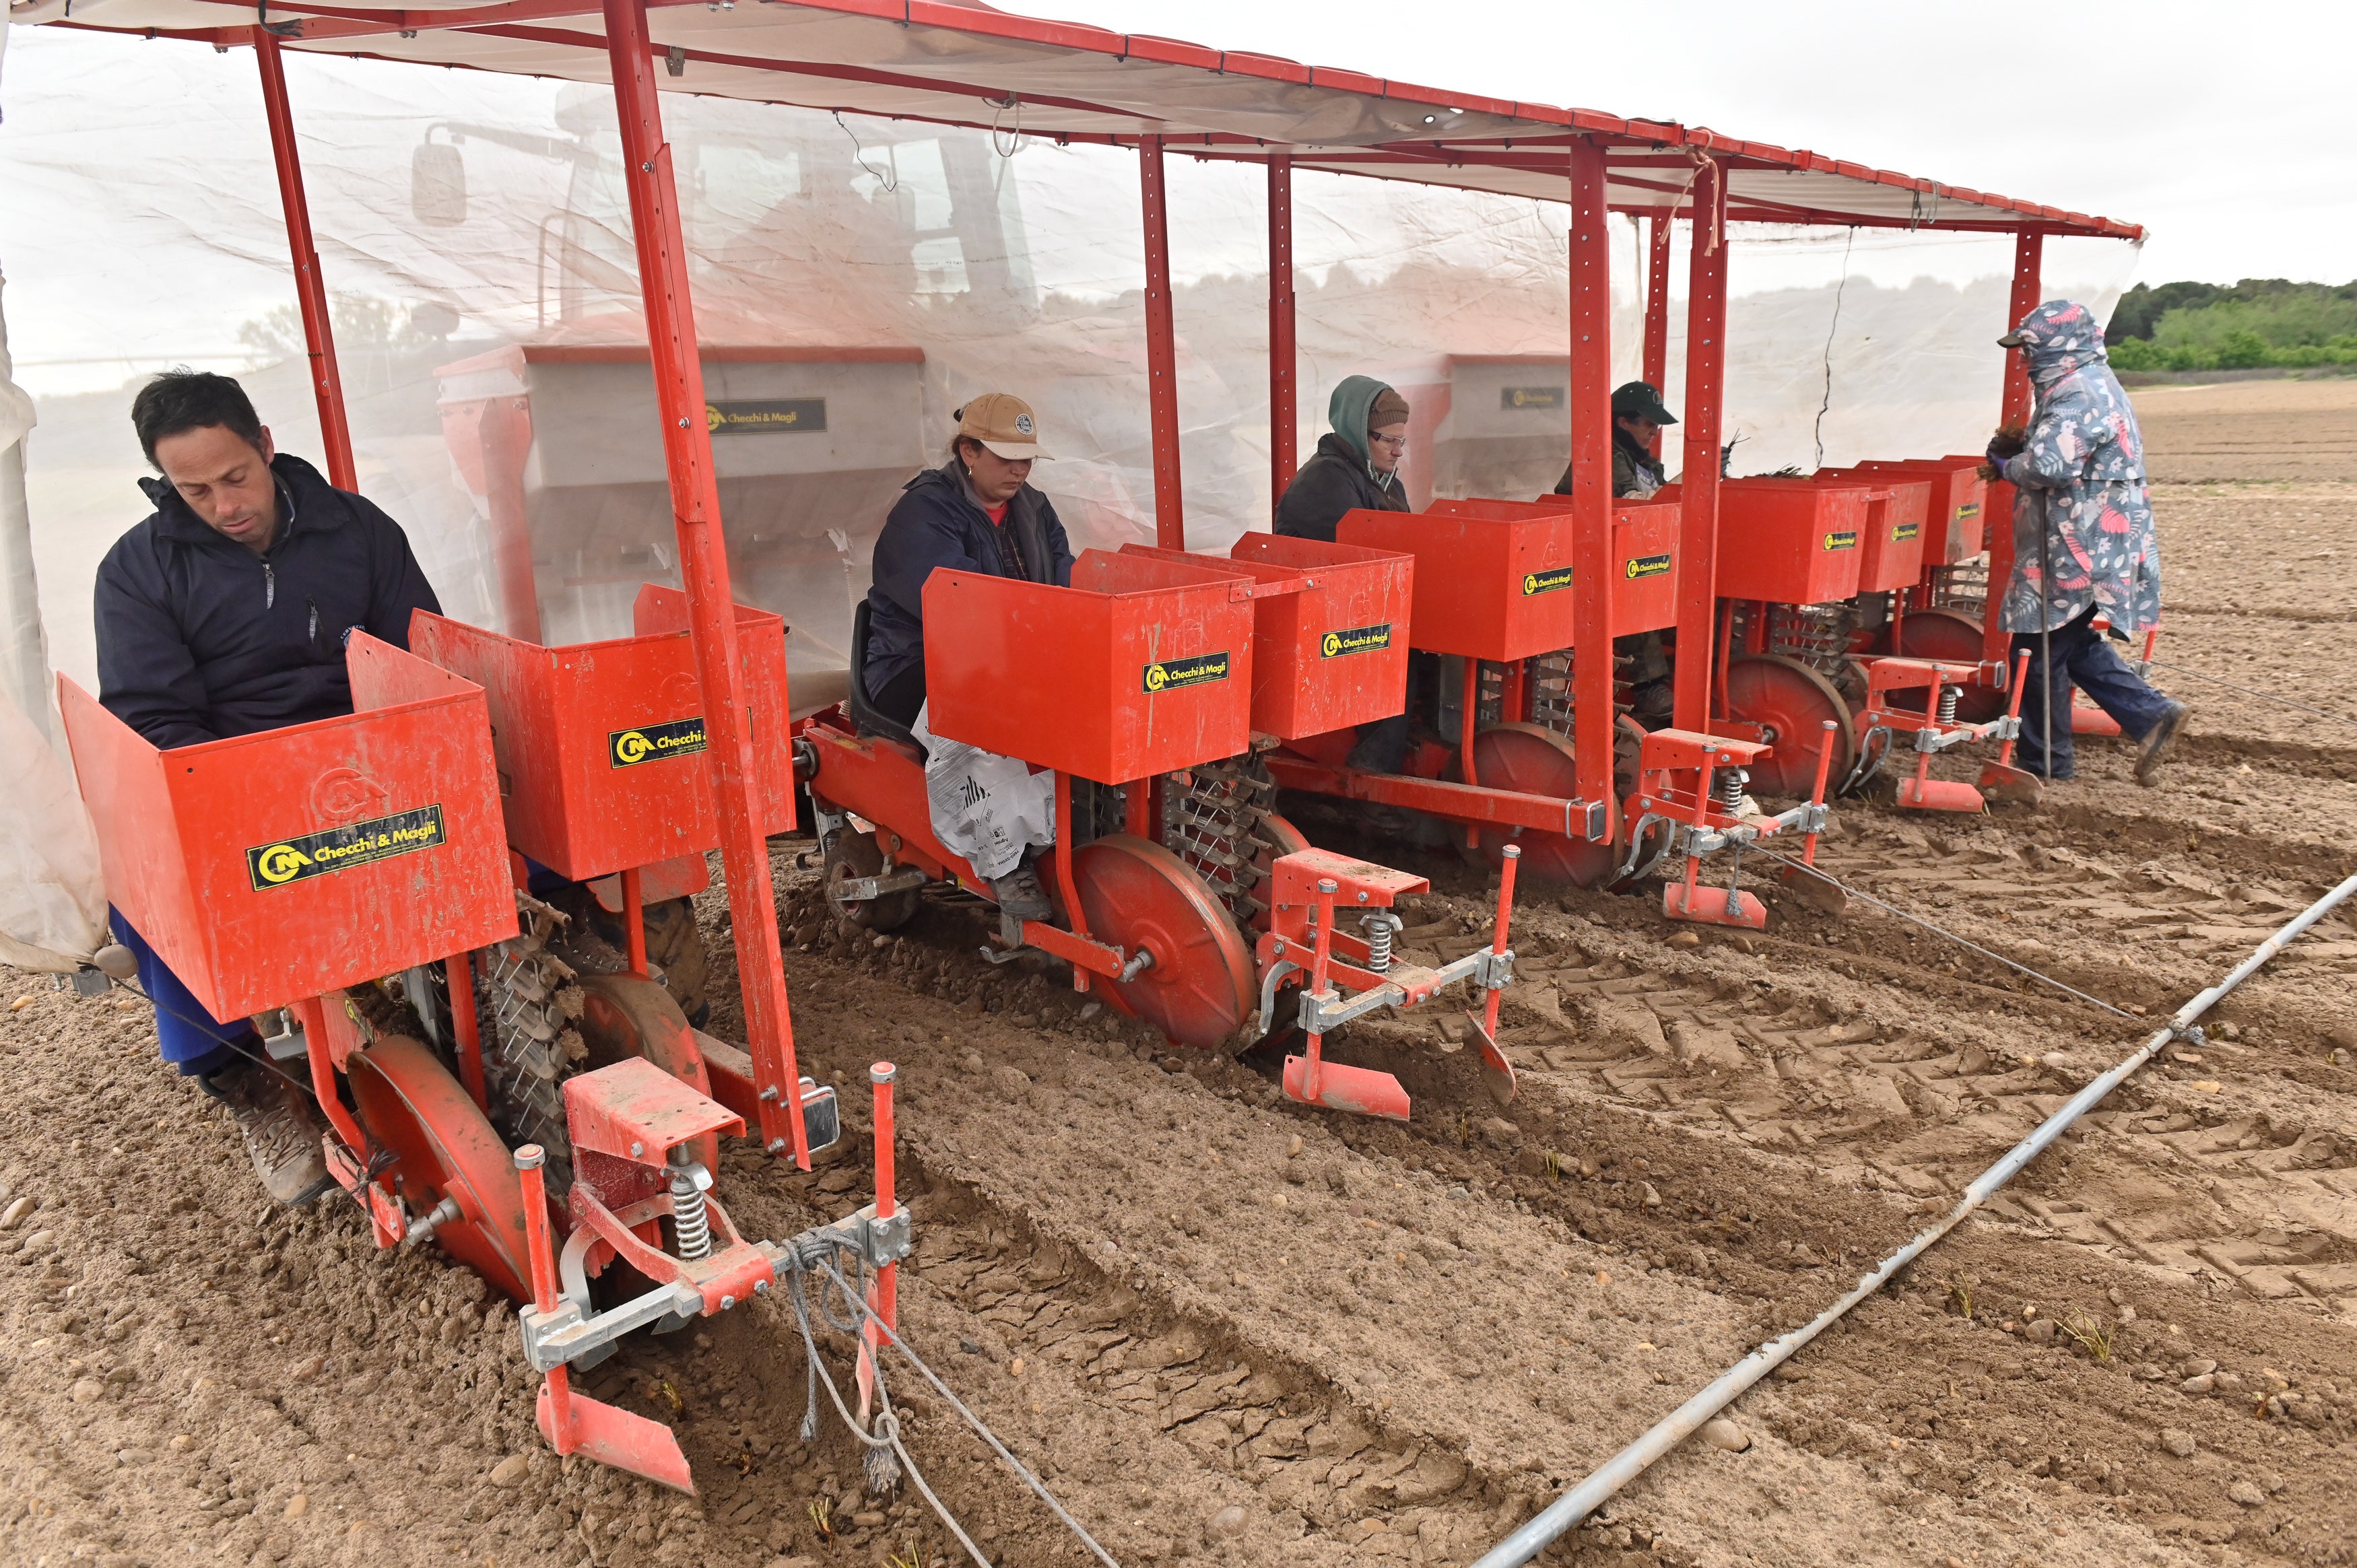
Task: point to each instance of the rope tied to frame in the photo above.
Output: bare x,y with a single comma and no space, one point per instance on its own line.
889,179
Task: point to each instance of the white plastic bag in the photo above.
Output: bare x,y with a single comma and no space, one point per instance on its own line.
52,892
986,807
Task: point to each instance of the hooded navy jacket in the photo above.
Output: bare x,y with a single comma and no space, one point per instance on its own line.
200,638
937,521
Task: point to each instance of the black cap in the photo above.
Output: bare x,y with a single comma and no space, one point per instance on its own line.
1641,400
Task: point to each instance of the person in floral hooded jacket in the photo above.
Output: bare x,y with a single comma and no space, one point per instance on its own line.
2080,508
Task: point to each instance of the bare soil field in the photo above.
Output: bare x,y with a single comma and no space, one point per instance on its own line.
1228,1329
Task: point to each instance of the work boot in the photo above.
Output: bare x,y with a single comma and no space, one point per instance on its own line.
1019,895
282,1132
2155,741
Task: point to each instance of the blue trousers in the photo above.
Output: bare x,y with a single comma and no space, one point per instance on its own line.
193,1040
2082,658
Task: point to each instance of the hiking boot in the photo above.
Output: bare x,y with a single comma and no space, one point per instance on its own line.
2155,741
281,1130
1020,896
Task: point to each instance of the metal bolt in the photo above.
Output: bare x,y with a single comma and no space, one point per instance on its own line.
760,1287
773,1146
726,1302
683,422
1362,897
770,1092
637,1147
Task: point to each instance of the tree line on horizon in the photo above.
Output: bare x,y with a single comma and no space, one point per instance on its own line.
2256,323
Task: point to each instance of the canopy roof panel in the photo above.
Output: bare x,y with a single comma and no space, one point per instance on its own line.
957,62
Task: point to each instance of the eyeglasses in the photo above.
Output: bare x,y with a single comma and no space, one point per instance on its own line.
1396,443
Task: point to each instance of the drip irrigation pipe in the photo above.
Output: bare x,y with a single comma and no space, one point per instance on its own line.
1577,1504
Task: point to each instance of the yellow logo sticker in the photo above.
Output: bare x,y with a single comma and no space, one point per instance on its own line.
1545,582
1357,639
1645,566
650,743
1165,673
1905,532
337,849
1845,540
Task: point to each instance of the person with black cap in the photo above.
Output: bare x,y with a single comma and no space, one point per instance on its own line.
1638,417
1356,465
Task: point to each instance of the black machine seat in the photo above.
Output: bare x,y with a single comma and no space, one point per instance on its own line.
864,719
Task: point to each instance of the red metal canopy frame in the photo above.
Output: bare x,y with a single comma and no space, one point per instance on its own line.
1157,95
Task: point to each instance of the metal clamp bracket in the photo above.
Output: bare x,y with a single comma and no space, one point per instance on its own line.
860,889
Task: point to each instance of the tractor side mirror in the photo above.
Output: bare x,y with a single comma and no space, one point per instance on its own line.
437,185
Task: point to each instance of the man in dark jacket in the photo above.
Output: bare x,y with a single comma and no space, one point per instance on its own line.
225,613
977,512
1356,465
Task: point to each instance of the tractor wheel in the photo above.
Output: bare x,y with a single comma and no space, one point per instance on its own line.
1951,637
625,1015
1790,702
1137,895
443,1146
853,856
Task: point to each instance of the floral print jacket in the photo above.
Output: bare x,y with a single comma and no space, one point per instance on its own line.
2080,484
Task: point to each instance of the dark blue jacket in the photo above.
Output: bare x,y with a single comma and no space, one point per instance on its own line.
200,638
938,523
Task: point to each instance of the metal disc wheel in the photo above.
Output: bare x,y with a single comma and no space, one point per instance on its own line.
1137,895
625,1015
853,856
443,1146
1531,759
1789,701
1951,637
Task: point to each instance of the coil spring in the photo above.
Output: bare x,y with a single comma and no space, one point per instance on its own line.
1379,924
690,1223
1948,705
1726,789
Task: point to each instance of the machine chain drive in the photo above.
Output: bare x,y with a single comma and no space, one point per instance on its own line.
1819,637
528,1004
1212,819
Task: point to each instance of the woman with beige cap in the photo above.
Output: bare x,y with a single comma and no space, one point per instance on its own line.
977,512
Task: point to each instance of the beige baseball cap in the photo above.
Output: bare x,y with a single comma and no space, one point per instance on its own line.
1003,423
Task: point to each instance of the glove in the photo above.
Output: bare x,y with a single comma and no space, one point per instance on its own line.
2006,446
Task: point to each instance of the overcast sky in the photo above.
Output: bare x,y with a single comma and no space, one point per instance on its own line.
2220,128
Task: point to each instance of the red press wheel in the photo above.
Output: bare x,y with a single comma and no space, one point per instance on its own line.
628,1016
1198,989
1790,703
444,1147
1953,637
1533,760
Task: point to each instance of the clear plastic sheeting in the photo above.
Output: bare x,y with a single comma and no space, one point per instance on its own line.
52,892
856,279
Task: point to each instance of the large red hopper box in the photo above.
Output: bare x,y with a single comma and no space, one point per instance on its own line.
276,867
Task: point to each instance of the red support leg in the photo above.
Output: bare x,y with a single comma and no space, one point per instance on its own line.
464,1030
634,920
1592,481
1161,352
1657,307
704,571
310,293
1698,508
1283,402
2028,254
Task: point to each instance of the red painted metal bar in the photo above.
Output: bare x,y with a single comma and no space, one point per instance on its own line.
703,572
1592,481
634,920
884,1295
1704,399
310,292
1657,308
1513,856
2028,258
1161,351
465,1027
1284,400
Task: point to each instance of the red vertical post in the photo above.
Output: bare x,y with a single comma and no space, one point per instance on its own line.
310,293
634,920
1705,401
884,1296
703,572
1284,400
2029,259
1657,307
1592,481
464,1027
1161,352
